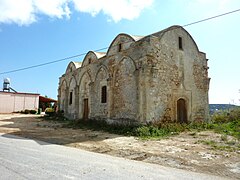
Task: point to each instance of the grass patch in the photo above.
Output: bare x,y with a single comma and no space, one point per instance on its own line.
208,142
228,146
99,125
225,124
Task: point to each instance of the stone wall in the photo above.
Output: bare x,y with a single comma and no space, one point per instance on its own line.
144,77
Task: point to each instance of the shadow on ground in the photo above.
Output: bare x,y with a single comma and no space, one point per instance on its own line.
35,127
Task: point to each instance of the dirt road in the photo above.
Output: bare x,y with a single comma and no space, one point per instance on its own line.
184,151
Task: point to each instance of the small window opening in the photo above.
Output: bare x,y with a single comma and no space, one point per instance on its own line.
180,45
89,61
119,47
104,94
70,98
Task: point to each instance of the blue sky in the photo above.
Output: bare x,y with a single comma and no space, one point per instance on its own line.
38,31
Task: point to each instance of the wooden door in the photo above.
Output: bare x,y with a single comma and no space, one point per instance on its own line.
181,111
85,109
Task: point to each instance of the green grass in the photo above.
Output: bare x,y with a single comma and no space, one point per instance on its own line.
208,142
223,123
229,128
229,146
101,126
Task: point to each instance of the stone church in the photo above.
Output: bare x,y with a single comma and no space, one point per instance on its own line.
140,79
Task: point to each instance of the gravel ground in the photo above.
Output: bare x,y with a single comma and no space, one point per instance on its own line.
184,151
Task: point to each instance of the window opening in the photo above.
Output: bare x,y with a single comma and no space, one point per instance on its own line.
119,47
180,45
104,94
70,98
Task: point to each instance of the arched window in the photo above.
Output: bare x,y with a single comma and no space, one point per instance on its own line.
104,94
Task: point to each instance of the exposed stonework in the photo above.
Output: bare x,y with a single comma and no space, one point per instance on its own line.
159,77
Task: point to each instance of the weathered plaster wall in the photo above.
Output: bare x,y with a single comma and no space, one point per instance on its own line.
125,90
145,77
62,95
84,92
72,105
100,109
184,75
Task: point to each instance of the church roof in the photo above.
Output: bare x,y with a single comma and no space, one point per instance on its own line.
77,64
136,38
100,54
162,32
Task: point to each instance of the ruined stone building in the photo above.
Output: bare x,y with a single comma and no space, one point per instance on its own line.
159,77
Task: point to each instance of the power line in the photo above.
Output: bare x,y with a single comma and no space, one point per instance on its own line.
82,54
213,17
51,62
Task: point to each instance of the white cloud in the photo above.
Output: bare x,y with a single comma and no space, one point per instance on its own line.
24,12
52,8
116,10
20,12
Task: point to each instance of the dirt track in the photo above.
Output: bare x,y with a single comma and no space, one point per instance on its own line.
184,151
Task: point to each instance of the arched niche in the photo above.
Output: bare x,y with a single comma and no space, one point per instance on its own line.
101,95
72,96
84,96
62,96
102,73
125,90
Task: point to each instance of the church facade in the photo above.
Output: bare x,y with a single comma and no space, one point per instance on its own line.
140,79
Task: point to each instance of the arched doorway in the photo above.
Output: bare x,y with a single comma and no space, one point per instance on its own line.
85,109
181,111
125,90
84,97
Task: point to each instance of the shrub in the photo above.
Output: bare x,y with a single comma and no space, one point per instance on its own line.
160,130
33,111
226,116
26,111
223,123
143,131
49,111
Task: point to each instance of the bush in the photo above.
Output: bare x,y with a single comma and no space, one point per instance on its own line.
224,116
26,111
33,111
224,123
49,111
143,131
160,130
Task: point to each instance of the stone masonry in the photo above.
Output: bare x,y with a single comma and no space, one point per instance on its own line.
140,79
